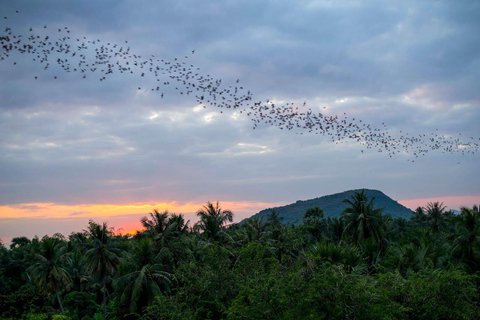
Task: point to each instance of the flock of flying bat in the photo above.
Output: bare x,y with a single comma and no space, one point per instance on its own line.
94,57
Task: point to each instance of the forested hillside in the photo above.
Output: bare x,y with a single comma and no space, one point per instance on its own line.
333,206
362,265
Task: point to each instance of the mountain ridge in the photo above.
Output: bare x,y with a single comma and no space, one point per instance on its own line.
333,205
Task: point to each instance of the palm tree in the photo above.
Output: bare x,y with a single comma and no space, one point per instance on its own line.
275,226
48,271
419,218
177,224
346,255
193,247
175,227
362,220
254,229
372,255
145,276
315,213
75,265
102,256
335,227
213,220
421,253
467,242
157,223
313,220
274,220
398,229
434,211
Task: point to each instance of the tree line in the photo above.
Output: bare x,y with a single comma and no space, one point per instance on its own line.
361,265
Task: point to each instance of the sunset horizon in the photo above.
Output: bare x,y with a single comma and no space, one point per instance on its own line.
125,218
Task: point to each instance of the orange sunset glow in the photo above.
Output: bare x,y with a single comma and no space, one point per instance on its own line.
124,218
452,202
52,210
39,219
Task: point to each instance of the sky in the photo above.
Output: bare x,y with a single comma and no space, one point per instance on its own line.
74,149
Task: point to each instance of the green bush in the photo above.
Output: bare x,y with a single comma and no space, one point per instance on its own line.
168,308
60,317
35,316
80,304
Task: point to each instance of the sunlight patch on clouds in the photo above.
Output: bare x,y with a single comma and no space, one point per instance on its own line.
241,149
153,116
169,116
38,145
91,112
342,100
209,117
252,148
351,105
198,108
462,106
235,116
423,97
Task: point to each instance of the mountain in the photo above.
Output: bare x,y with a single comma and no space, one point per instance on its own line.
333,205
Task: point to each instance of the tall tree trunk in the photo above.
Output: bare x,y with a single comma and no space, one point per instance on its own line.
60,302
104,315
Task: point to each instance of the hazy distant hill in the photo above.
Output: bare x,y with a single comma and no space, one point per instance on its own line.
333,205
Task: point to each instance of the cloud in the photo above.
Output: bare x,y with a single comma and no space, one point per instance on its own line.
413,66
78,213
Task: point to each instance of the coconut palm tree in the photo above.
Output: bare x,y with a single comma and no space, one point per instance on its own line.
419,218
157,223
213,219
421,253
174,228
145,276
435,212
362,220
346,255
467,243
335,227
193,247
313,220
102,257
76,267
254,229
48,271
274,220
177,225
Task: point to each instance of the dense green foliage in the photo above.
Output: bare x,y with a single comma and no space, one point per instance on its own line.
362,265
